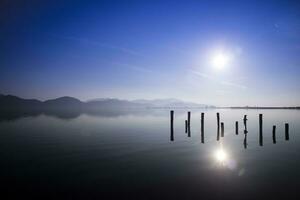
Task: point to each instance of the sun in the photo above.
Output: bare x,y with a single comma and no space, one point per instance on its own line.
220,60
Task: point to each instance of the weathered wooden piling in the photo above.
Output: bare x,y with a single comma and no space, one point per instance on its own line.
186,126
287,136
222,129
260,129
236,127
172,125
189,124
245,121
218,121
218,126
274,134
202,127
260,123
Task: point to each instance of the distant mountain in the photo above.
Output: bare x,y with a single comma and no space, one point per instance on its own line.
113,103
64,102
10,102
171,103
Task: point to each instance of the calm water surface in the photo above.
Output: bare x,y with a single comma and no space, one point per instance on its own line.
130,156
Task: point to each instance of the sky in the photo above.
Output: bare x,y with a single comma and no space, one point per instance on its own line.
225,53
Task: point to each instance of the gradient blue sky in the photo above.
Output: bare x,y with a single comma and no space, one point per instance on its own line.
152,49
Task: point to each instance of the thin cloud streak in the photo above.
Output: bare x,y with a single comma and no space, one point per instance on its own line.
99,44
203,75
226,83
233,85
133,67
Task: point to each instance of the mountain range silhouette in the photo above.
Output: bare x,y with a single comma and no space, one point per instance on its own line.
10,102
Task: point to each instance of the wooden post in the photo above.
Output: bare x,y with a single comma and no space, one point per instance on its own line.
245,121
186,126
218,120
236,127
202,127
218,126
287,136
274,134
245,131
260,129
222,129
189,124
172,127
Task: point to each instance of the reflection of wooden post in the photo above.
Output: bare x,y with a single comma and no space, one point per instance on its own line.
236,127
189,124
172,127
222,129
186,126
260,129
245,140
274,134
202,127
287,137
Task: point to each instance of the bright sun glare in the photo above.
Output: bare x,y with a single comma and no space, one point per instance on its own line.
220,60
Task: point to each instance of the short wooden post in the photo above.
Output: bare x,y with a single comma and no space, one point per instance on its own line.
202,127
274,134
260,129
236,127
186,126
172,127
189,124
222,129
287,136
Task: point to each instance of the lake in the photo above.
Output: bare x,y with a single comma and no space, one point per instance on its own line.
129,155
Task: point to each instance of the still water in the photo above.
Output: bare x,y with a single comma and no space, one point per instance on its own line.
129,155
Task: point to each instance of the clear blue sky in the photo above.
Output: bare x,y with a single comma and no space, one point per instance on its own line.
152,49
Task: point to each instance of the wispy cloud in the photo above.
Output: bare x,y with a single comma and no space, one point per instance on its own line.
133,67
100,44
202,75
226,83
233,84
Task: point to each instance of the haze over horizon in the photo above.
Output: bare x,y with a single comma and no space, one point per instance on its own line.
233,53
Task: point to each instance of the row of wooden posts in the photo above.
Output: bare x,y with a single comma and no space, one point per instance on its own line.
188,128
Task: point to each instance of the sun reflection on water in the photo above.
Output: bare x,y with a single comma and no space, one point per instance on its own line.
221,155
223,159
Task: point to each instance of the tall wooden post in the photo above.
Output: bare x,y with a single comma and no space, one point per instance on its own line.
202,127
218,121
236,127
172,125
218,126
189,124
260,129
